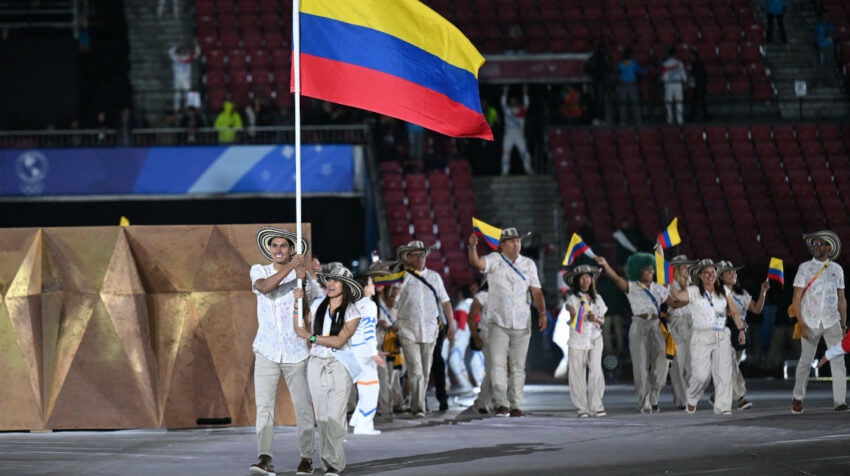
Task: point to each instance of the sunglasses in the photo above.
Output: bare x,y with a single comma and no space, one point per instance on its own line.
819,243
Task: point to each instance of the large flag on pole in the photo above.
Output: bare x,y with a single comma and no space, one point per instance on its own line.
394,57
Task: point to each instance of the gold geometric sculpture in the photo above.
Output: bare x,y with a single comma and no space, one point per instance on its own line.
129,327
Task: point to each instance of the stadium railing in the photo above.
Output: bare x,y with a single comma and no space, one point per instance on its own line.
337,134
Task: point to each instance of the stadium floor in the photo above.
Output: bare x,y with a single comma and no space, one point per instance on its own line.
766,439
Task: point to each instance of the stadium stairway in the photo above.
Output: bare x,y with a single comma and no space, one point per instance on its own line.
529,203
150,68
798,61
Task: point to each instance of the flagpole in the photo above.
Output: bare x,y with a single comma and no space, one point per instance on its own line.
296,72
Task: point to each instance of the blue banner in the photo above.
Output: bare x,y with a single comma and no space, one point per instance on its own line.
260,169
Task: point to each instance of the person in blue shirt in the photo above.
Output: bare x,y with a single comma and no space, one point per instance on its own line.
775,10
628,70
825,34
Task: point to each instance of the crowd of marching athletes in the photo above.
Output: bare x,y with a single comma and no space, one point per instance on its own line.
389,323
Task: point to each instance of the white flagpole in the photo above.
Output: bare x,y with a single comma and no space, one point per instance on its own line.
296,72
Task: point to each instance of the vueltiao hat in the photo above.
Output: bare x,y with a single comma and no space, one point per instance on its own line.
573,274
828,236
404,251
509,234
346,277
695,269
267,233
679,260
723,266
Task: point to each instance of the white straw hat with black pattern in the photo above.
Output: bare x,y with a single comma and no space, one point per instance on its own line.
404,251
346,277
700,265
829,237
266,234
579,270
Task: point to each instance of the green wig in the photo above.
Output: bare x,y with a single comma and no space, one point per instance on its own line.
637,263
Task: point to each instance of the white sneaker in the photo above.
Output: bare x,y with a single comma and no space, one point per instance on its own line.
366,431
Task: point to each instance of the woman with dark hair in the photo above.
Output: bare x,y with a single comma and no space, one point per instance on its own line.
332,366
587,382
743,302
711,344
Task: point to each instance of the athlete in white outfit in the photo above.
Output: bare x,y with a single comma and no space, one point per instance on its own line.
515,113
364,344
181,66
673,76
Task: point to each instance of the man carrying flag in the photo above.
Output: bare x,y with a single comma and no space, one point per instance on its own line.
821,310
510,277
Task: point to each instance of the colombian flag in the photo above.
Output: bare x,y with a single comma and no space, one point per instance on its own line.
576,323
663,269
576,248
389,279
776,272
489,232
670,236
394,57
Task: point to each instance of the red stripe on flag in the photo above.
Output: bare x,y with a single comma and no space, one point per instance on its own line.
383,93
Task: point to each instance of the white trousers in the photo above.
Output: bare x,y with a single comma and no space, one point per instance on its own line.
711,361
587,382
673,98
457,363
477,366
515,138
418,357
831,335
329,386
368,389
681,328
266,378
649,361
508,345
484,400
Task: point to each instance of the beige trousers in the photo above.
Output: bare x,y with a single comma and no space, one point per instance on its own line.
711,361
831,335
681,328
417,357
739,385
330,385
587,382
508,344
266,377
649,361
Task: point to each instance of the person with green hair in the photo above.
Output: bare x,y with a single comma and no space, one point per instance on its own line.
647,344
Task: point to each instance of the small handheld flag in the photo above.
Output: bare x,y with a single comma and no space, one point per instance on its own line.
575,249
490,233
663,269
124,221
575,324
389,279
670,236
775,272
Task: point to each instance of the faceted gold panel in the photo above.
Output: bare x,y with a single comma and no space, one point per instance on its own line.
128,327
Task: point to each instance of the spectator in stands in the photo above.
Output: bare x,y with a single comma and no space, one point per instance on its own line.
102,128
391,139
629,240
181,67
192,121
515,113
775,10
421,307
825,35
516,40
598,68
673,77
698,80
571,107
167,121
228,124
76,139
175,5
256,114
125,127
629,91
511,277
416,139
